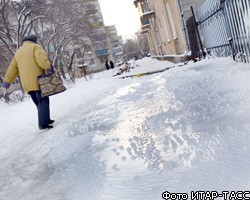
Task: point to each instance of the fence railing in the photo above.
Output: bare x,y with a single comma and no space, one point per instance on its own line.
225,27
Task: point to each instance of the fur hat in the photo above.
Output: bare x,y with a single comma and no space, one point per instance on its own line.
32,38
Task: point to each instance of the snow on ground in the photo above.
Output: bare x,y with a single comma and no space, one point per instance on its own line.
185,129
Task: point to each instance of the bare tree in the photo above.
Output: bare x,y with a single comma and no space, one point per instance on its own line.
59,25
7,29
142,43
17,20
5,59
136,47
60,30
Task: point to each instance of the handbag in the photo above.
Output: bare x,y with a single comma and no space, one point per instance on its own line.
50,83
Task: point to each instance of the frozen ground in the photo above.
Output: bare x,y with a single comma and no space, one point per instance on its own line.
186,129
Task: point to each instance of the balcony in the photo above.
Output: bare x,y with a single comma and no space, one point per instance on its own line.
145,25
136,2
91,12
97,38
115,38
144,29
144,22
148,14
145,8
117,50
102,52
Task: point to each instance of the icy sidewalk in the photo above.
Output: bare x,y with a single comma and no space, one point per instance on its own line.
182,130
185,130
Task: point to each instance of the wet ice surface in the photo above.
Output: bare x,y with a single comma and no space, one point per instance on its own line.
182,130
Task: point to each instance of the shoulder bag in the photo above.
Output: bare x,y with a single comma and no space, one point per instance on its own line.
50,83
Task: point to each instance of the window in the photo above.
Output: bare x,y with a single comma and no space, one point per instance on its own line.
165,32
171,19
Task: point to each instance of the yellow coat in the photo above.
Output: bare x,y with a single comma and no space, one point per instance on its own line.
29,62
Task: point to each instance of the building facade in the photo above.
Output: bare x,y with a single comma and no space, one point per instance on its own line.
97,49
164,22
115,44
161,22
103,43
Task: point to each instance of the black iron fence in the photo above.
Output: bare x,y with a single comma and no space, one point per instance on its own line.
225,27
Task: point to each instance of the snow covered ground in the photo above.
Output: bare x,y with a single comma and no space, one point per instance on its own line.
185,129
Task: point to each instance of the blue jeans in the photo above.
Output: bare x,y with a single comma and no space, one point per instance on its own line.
42,104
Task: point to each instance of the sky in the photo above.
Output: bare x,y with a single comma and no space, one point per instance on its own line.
184,129
123,14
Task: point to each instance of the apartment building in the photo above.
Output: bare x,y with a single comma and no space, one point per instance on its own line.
91,47
161,22
103,43
99,43
164,22
97,51
115,44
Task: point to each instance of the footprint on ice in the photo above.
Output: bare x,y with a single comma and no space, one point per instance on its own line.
129,149
137,178
121,147
124,158
133,157
114,167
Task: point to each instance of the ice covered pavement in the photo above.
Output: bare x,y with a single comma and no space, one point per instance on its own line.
182,130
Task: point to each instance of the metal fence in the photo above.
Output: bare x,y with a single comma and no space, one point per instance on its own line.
225,27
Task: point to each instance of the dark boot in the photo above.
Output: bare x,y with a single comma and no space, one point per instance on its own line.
51,121
46,127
